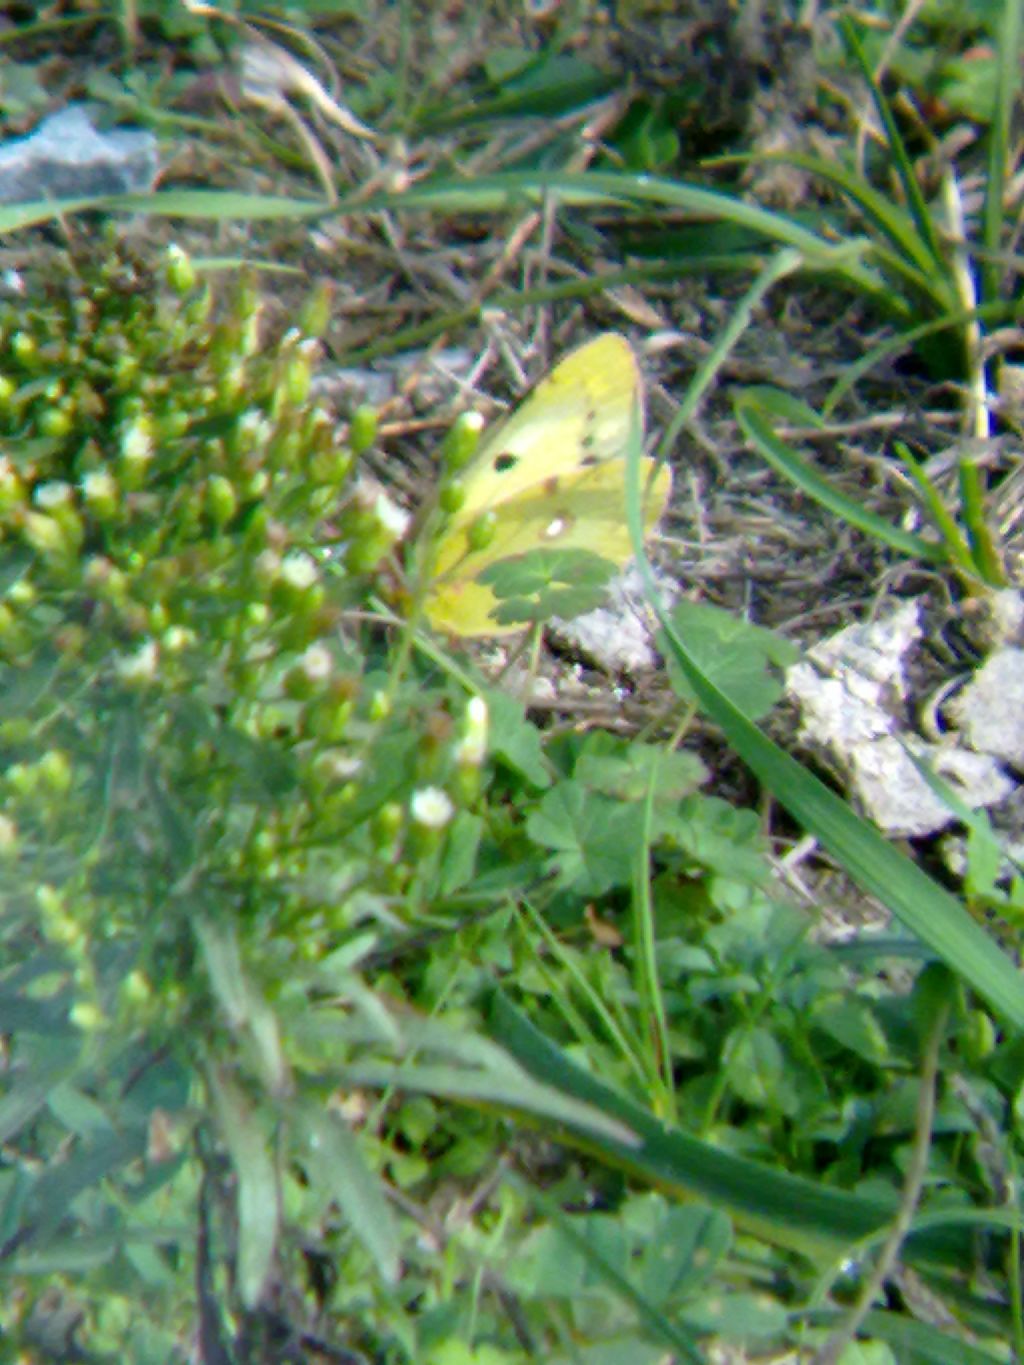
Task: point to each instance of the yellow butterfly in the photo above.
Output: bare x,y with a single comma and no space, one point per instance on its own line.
553,474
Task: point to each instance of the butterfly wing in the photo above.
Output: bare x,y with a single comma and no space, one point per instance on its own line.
576,416
585,510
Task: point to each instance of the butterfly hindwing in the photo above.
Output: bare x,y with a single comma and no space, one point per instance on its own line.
587,511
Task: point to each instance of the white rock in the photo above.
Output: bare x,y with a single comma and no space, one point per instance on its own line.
990,709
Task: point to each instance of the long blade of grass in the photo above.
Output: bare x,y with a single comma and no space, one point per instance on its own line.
942,518
920,1341
1006,87
925,907
1007,310
752,408
910,257
897,148
661,1080
784,1209
783,264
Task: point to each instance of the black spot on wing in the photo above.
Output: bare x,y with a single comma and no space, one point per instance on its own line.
588,458
504,462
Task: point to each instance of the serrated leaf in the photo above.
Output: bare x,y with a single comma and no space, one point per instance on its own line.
592,840
547,583
626,770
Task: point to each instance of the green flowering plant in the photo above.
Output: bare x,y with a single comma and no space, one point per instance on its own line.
221,792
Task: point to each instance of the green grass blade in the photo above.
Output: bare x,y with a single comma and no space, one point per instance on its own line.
942,518
784,1209
918,1341
784,263
898,150
751,409
910,257
926,908
990,313
494,192
1007,85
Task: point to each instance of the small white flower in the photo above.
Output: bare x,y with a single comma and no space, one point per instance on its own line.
56,493
431,807
472,748
390,516
268,565
177,638
316,663
256,426
298,570
140,666
334,765
137,441
98,485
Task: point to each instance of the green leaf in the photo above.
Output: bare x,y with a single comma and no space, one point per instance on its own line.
533,588
866,1353
853,1025
334,1163
744,660
506,1088
720,838
85,1168
625,770
756,1066
458,860
50,1064
737,1317
592,839
246,1010
77,1111
259,1195
516,740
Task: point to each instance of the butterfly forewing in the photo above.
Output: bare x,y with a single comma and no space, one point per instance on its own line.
578,415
